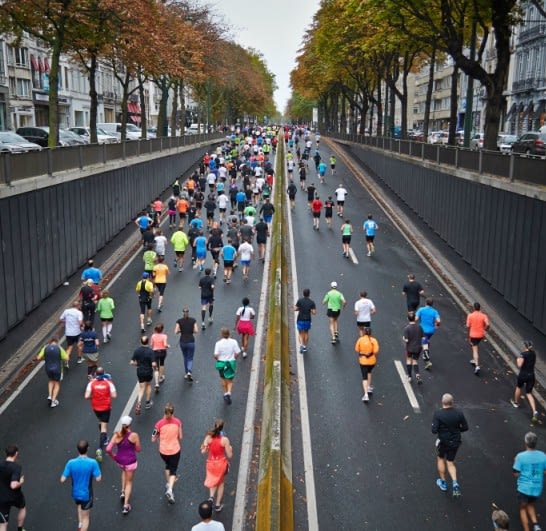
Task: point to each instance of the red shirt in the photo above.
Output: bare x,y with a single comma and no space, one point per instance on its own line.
477,324
101,394
316,205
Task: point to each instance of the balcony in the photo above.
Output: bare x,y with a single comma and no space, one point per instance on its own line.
537,31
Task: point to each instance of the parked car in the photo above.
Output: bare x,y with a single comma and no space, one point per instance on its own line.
531,143
434,137
114,128
102,136
14,143
71,138
476,142
504,142
40,135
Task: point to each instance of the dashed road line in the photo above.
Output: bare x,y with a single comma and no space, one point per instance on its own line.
352,254
407,386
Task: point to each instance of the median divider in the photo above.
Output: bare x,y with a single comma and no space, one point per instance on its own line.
275,504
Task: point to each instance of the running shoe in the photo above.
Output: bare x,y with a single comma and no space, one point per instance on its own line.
365,398
203,326
228,400
428,365
336,333
244,354
218,508
109,337
302,349
369,254
49,401
442,484
54,403
456,490
98,455
370,389
190,377
126,508
409,379
142,331
514,403
419,380
80,360
472,362
122,496
169,495
477,370
156,388
149,322
149,404
536,527
534,418
211,320
159,309
161,378
334,340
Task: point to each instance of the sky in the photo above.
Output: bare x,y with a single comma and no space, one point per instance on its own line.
275,28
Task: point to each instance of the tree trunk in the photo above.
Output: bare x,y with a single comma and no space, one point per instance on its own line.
453,106
53,119
142,99
182,108
162,116
428,98
175,108
94,99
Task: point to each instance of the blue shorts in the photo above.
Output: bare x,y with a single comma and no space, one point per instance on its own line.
426,337
303,325
245,262
268,219
200,255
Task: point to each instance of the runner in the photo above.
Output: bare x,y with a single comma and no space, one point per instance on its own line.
200,244
171,210
91,273
477,325
160,275
292,190
341,194
262,232
168,431
243,323
144,360
219,451
429,319
303,176
310,195
214,244
333,161
88,297
526,378
305,307
149,258
159,343
245,254
160,246
316,207
179,241
182,206
11,495
82,470
186,326
413,338
100,392
206,285
364,309
89,347
145,290
207,523
228,252
413,292
335,302
105,309
328,211
127,444
226,352
143,222
370,228
267,210
322,171
346,235
367,348
73,324
53,355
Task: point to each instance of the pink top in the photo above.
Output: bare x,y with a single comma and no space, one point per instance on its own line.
159,342
168,431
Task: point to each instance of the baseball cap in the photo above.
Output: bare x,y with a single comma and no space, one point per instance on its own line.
334,284
145,275
126,420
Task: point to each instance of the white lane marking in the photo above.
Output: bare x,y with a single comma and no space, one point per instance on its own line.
407,386
247,442
128,406
353,256
20,387
312,514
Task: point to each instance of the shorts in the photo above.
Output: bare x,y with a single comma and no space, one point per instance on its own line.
303,326
527,381
262,241
131,467
17,501
145,305
171,462
525,499
370,239
447,452
228,263
159,357
328,213
316,214
268,219
103,416
182,215
72,340
333,314
161,287
93,357
207,300
222,210
365,370
345,239
475,341
85,505
171,212
245,263
54,376
210,214
245,327
215,256
144,376
340,203
413,355
363,324
426,337
107,319
180,254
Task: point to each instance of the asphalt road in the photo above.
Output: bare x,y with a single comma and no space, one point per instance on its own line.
374,464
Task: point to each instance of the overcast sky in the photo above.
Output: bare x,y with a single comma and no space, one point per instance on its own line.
273,28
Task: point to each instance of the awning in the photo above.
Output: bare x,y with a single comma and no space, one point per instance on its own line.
41,65
528,109
133,108
511,111
34,63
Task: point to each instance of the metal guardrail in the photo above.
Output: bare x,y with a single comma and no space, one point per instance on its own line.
14,167
493,163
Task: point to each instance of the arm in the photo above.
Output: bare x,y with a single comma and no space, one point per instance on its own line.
205,444
135,439
195,328
227,447
463,424
177,328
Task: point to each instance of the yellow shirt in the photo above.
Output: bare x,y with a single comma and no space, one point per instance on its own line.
161,271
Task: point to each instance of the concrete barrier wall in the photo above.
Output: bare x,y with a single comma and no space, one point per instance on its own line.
500,232
48,233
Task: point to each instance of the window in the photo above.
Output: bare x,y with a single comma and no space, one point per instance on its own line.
23,87
21,57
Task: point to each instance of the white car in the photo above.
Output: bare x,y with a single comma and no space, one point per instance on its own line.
504,143
14,143
434,137
102,136
476,142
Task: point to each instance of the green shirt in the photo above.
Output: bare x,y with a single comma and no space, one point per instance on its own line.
149,260
105,308
334,300
346,229
179,240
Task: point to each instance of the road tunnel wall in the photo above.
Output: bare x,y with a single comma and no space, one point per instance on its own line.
501,233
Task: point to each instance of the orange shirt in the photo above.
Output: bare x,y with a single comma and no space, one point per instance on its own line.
169,435
158,206
160,273
477,324
367,348
190,184
182,206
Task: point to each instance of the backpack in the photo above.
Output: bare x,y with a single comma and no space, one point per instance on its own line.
144,295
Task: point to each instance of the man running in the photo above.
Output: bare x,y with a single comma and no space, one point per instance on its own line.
206,285
245,254
53,355
292,190
429,319
413,338
228,252
364,309
305,307
92,272
316,208
370,228
335,302
526,361
413,292
477,325
262,233
11,495
328,211
341,194
145,290
179,241
73,324
160,273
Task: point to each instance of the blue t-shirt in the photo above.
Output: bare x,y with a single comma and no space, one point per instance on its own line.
197,223
143,222
240,197
201,245
531,465
428,316
82,470
370,226
322,169
92,273
229,252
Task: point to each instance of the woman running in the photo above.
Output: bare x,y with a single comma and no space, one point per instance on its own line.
127,445
105,309
159,343
346,233
244,325
226,352
219,452
89,346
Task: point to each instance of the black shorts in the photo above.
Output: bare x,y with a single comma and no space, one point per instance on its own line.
54,375
161,287
261,240
179,254
105,320
526,381
145,305
316,214
340,203
363,324
370,239
228,263
144,376
207,300
447,452
103,416
525,499
159,357
413,355
365,370
85,505
72,340
334,314
475,341
182,215
210,214
171,462
215,255
17,501
345,239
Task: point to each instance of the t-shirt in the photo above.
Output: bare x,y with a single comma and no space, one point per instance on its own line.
89,340
245,313
226,348
531,465
428,316
9,471
245,251
529,360
159,341
168,430
82,470
52,355
341,193
412,289
179,240
316,205
145,290
261,229
229,252
187,327
149,260
304,306
92,273
161,272
72,318
206,284
213,525
106,307
413,334
370,227
477,324
364,307
334,300
143,356
328,207
200,245
223,201
160,244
